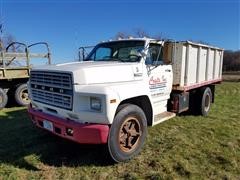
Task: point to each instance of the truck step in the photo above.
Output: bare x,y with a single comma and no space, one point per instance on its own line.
163,117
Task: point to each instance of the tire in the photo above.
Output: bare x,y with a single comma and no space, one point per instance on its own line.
120,107
21,95
127,133
3,98
206,101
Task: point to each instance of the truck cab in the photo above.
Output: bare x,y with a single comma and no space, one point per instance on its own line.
110,97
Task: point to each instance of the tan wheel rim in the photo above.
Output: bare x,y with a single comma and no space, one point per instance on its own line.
129,134
24,96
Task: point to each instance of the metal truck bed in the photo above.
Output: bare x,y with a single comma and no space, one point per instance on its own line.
194,65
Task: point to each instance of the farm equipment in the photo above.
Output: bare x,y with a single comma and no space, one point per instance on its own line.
15,69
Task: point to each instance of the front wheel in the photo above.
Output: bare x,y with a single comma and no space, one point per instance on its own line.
21,95
127,133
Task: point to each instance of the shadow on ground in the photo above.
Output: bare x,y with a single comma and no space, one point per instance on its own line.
24,146
11,102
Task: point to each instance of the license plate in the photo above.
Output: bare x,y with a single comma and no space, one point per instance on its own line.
48,125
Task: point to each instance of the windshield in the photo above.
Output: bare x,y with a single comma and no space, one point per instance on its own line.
124,51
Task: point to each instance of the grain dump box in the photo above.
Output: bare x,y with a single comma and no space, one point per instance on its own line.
195,65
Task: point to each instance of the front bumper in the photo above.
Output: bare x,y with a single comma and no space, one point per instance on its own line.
69,129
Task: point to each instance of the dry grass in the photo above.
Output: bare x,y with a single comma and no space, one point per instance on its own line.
232,76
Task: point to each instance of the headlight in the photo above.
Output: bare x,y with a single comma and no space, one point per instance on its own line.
95,103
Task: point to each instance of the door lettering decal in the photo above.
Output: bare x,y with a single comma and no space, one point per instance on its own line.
157,85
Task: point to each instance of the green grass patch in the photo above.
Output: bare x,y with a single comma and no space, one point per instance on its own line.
187,146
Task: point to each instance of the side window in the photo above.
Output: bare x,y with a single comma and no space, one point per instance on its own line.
102,53
154,55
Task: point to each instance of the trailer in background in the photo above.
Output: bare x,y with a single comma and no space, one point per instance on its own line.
15,70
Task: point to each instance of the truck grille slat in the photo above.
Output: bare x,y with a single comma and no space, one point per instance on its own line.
52,88
56,79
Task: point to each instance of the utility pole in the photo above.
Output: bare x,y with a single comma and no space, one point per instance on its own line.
1,36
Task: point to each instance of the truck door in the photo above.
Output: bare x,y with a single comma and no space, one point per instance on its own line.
159,78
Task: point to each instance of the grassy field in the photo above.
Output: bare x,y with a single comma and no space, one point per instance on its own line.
184,147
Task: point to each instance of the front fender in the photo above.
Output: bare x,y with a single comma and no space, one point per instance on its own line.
110,100
112,94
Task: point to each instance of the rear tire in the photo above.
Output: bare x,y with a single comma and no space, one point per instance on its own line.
3,98
21,95
206,101
127,133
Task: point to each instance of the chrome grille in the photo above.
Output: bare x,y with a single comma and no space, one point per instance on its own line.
52,88
53,79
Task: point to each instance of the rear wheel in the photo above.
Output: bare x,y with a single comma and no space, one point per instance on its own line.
3,98
21,95
206,101
127,133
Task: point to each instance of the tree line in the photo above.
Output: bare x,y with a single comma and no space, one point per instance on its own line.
231,60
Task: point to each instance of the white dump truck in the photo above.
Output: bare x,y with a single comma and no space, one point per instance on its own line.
120,88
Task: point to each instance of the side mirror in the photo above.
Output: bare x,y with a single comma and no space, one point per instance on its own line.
148,61
142,53
84,51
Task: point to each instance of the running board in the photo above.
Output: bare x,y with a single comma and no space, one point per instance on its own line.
163,117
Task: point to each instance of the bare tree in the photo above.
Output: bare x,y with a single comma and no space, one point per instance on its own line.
159,36
199,41
121,35
138,33
141,33
6,39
